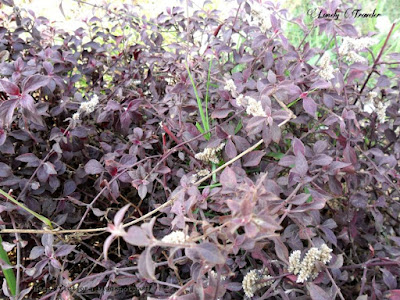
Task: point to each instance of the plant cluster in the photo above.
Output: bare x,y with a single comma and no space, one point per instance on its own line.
189,157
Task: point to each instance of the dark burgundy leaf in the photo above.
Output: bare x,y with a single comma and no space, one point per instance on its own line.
34,82
5,170
9,87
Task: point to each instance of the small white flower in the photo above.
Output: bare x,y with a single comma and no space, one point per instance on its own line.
240,99
86,107
381,111
352,56
230,86
175,237
260,16
307,268
210,154
75,116
251,282
254,107
294,262
327,70
369,104
351,46
325,255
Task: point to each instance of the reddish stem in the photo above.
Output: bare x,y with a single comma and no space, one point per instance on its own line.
176,140
375,63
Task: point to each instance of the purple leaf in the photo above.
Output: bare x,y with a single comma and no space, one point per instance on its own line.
320,146
8,246
34,82
320,84
322,160
48,240
228,178
287,160
69,187
7,111
230,149
317,293
210,253
299,199
310,106
146,265
27,102
301,166
220,113
36,252
3,135
253,158
92,282
9,87
142,191
120,215
298,147
136,236
5,170
93,167
64,250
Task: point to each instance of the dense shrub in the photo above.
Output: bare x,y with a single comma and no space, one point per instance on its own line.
186,158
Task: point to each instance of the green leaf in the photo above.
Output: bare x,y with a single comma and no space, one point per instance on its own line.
8,273
40,217
199,104
238,68
238,126
198,126
307,191
276,155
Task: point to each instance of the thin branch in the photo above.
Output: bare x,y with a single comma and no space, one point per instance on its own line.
375,63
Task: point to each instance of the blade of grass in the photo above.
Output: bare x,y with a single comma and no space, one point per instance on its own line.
199,104
8,273
41,218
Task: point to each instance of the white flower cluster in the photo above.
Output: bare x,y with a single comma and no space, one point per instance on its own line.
350,46
175,237
210,154
259,16
327,70
253,107
86,107
251,282
230,86
307,268
371,104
